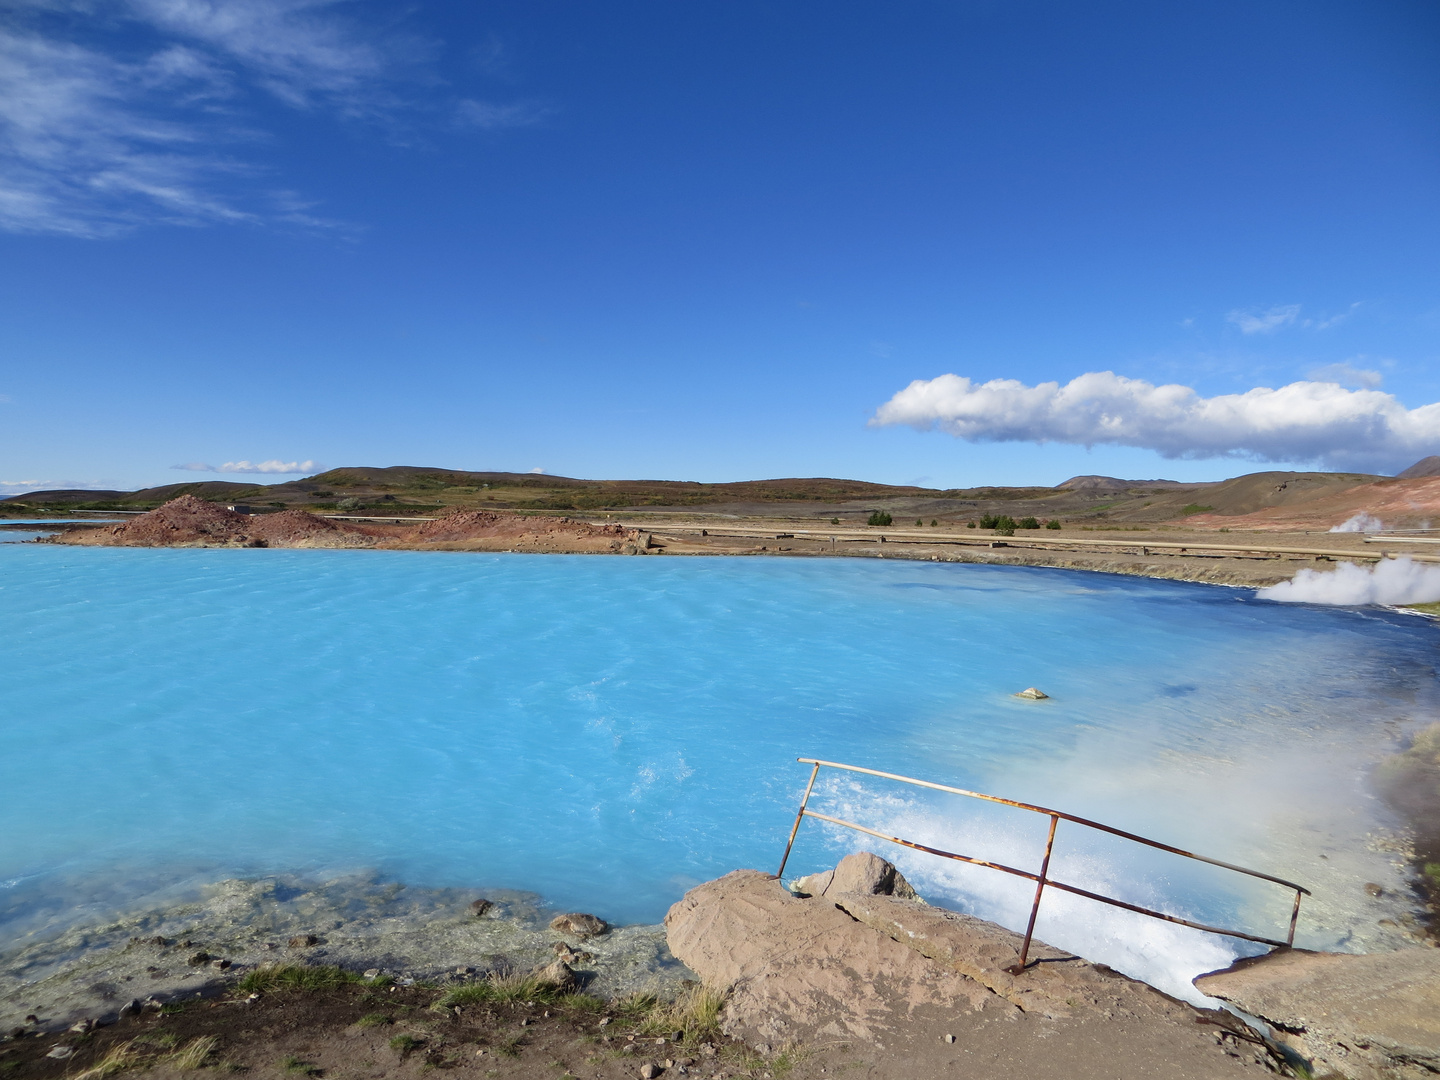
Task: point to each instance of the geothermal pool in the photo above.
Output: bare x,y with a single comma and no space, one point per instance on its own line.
608,732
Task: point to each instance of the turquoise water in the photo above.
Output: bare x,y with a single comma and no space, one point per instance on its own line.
610,731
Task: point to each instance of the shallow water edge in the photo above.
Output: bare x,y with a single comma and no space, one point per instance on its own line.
358,922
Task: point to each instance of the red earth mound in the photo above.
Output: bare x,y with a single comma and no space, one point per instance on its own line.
191,522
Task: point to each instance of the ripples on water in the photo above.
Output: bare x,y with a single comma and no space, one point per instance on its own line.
610,731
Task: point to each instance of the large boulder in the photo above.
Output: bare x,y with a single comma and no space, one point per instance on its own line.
935,987
1363,1017
863,873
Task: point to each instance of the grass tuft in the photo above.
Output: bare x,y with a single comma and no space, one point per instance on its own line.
374,1020
503,989
272,977
123,1056
193,1054
404,1044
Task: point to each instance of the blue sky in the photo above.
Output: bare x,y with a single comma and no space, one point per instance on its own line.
717,241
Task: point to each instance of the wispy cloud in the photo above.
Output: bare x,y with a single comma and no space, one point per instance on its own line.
146,111
1328,321
1269,320
1346,374
491,117
1309,421
274,465
1264,322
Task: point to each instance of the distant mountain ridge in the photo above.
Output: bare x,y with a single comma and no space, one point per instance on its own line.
1111,483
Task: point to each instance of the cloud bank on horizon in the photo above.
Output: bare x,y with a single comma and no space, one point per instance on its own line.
1306,421
273,466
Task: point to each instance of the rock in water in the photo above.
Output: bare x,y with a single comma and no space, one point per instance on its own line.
578,923
480,907
303,941
1033,693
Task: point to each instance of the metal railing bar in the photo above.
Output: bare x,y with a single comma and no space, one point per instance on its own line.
921,847
1161,915
1063,816
1046,882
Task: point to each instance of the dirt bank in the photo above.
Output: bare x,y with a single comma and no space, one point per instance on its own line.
192,522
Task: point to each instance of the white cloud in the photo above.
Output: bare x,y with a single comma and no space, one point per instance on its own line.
1264,322
274,465
1390,581
537,470
491,117
1317,422
1347,375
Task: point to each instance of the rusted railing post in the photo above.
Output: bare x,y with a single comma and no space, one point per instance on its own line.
1294,915
1039,888
799,816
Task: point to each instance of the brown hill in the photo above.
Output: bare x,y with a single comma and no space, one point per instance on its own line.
1112,484
1397,503
1429,466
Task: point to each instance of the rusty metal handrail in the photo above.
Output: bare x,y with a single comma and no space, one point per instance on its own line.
1042,879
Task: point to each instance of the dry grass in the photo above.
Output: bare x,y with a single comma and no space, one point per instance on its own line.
695,1011
123,1056
193,1054
505,988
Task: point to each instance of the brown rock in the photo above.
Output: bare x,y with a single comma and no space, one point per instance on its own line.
861,872
480,907
303,941
556,974
864,967
579,924
1360,1017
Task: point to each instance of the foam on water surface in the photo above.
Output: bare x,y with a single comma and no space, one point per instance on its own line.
609,731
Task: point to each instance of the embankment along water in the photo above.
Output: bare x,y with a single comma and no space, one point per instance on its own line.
608,732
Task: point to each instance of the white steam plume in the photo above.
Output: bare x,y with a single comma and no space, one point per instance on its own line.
1305,421
1360,523
1391,581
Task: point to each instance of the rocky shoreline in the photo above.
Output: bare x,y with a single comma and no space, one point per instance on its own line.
200,945
844,971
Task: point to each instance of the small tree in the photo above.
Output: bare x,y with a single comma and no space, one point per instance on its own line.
1027,523
1053,523
879,517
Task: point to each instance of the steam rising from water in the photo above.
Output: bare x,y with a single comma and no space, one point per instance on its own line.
1360,523
1390,581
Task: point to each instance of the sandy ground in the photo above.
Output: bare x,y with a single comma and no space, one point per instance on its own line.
374,1032
1252,558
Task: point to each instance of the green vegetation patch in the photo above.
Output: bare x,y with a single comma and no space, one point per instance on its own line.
272,977
1195,508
